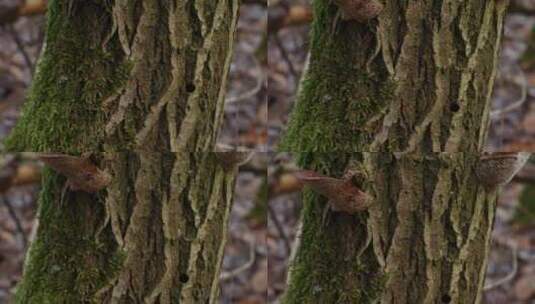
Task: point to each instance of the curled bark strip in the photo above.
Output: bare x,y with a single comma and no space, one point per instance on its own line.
499,168
342,194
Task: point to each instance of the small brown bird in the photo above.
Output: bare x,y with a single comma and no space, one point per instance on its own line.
230,157
342,194
81,173
497,169
360,10
234,158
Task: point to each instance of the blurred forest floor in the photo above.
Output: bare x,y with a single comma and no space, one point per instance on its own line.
271,48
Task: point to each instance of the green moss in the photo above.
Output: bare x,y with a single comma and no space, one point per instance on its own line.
322,272
66,264
338,95
76,71
327,268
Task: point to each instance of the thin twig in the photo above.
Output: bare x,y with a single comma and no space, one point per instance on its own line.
496,114
258,85
20,46
510,275
279,228
15,219
285,56
227,275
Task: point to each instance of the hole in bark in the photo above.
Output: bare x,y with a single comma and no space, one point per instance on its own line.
446,298
184,278
454,107
190,87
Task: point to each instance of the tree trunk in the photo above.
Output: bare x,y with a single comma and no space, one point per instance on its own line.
129,75
139,84
425,238
416,80
155,236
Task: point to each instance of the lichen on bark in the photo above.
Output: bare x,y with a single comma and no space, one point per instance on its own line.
156,235
141,73
425,236
342,88
413,82
140,84
391,84
78,68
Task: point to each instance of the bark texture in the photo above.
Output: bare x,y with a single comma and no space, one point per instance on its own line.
139,84
129,75
155,235
417,78
425,238
386,96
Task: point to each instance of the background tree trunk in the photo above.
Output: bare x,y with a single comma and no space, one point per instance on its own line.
416,80
147,77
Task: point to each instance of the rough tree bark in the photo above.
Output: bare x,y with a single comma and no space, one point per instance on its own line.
133,74
416,80
140,85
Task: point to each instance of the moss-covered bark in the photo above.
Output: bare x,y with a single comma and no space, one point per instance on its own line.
140,85
415,81
155,235
127,75
424,239
418,78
